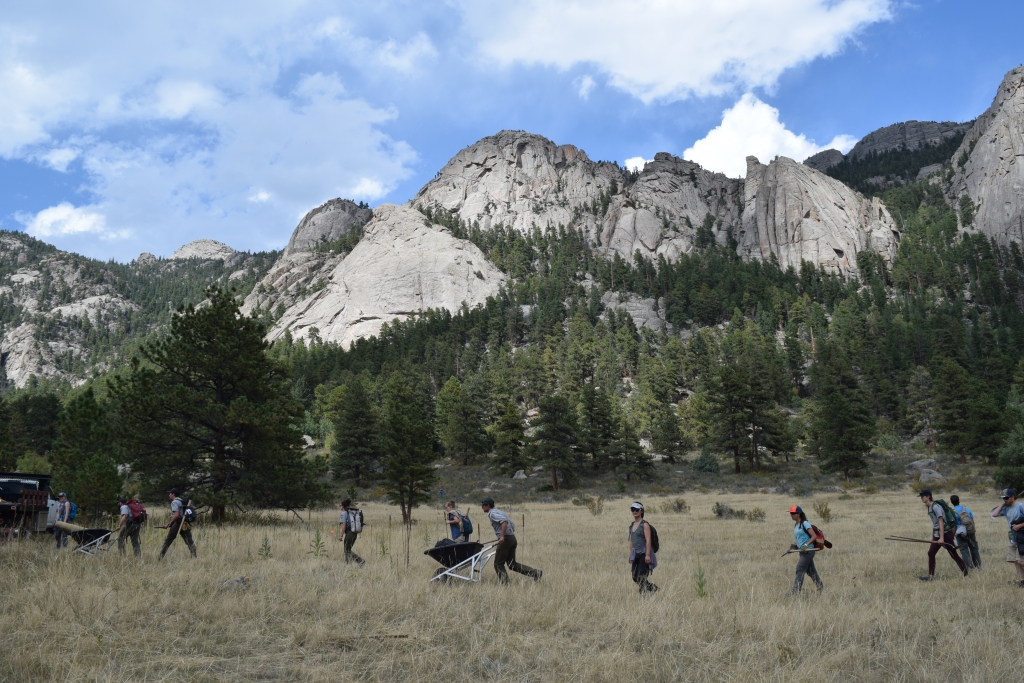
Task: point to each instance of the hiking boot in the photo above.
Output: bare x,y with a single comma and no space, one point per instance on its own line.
926,578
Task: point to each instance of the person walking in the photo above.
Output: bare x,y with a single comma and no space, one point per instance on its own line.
453,518
806,540
129,529
177,526
642,558
941,536
351,526
1013,510
505,553
63,515
968,538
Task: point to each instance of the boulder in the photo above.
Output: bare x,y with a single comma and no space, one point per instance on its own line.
520,474
799,214
992,174
400,268
930,477
915,468
326,223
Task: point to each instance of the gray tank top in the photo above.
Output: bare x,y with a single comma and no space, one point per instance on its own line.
636,536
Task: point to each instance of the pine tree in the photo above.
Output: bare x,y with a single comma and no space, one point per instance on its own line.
555,440
458,423
8,451
667,437
596,426
630,459
952,401
205,409
920,413
406,443
354,417
83,462
842,424
1009,472
507,435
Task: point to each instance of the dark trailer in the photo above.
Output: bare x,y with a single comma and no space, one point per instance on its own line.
26,502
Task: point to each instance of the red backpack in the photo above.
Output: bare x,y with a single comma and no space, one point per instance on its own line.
824,543
137,510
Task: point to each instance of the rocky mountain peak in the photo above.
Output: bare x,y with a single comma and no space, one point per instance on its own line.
909,134
326,223
989,166
204,250
822,161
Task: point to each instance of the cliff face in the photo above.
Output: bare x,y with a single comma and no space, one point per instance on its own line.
326,223
909,134
989,165
798,214
400,267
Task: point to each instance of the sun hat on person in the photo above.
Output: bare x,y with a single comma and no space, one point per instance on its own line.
637,506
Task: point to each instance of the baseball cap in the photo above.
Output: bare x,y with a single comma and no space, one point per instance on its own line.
62,495
1008,493
487,501
637,506
925,492
796,510
176,492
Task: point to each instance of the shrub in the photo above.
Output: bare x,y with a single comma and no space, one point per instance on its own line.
823,511
595,505
756,515
706,463
889,442
723,511
678,506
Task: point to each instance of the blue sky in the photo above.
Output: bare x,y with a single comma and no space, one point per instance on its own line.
129,127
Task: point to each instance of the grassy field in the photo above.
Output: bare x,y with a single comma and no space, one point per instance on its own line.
67,617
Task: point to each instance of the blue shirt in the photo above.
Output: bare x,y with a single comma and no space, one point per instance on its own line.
1014,514
960,509
801,532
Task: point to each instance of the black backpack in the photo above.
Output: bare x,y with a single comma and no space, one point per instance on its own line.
655,545
189,515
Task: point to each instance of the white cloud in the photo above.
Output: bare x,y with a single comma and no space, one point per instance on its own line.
636,163
752,127
670,49
66,220
189,129
584,86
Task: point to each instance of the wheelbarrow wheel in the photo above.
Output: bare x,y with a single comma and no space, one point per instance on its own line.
443,579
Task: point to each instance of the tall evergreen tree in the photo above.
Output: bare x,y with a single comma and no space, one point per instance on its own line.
555,439
205,409
351,411
595,427
84,464
842,424
667,437
507,435
407,445
1009,472
920,413
459,426
629,458
950,387
8,451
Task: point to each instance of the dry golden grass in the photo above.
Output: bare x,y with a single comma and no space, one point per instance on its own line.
67,617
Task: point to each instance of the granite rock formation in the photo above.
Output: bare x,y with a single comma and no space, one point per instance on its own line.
909,134
326,223
989,165
799,214
822,161
204,250
401,267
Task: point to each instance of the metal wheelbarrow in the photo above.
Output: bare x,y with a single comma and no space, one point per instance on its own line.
92,541
462,561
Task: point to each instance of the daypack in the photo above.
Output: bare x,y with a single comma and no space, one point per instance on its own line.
190,515
137,511
824,542
950,522
967,521
355,521
467,526
73,513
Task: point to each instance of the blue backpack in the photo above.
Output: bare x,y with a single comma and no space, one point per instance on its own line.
467,526
73,513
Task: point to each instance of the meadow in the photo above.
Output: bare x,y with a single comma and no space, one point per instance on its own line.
310,617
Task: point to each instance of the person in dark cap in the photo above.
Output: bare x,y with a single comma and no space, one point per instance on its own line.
177,525
129,529
505,553
63,515
806,539
941,536
642,558
1013,510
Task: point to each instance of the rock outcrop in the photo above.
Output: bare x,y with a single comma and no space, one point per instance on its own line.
524,181
326,223
401,267
206,250
992,172
822,161
909,134
799,214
